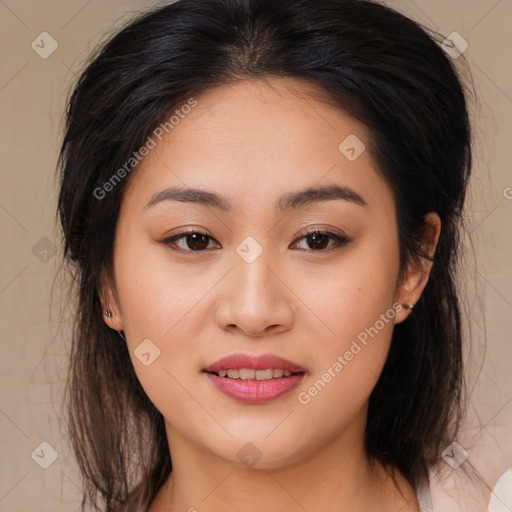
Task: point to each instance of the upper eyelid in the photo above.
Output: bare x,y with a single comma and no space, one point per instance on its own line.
302,233
305,230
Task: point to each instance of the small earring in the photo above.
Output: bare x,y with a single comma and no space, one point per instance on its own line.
408,306
108,313
122,335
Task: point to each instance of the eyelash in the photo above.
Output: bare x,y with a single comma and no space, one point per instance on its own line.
339,241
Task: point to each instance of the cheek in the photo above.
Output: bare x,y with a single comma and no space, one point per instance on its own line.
351,295
157,303
158,308
155,293
352,340
347,370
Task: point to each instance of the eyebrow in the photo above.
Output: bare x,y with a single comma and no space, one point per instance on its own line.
286,202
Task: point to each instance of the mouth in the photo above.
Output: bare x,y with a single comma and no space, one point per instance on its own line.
254,379
252,374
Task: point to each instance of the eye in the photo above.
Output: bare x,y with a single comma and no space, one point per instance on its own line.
318,240
195,241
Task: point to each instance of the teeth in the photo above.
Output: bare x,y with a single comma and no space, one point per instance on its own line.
263,374
251,374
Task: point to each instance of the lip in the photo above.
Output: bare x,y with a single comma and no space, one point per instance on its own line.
254,391
256,362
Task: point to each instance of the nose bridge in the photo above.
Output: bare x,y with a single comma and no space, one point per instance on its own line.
254,298
253,276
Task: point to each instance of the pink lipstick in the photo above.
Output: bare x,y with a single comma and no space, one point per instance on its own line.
254,379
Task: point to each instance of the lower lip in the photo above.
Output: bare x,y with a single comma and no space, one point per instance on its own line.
255,391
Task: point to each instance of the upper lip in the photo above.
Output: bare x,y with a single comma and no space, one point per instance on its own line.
256,362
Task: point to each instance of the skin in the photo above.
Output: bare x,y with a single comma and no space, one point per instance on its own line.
252,142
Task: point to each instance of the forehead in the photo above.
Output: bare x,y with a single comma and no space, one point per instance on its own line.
259,139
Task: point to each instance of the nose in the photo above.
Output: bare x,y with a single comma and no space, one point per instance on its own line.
255,298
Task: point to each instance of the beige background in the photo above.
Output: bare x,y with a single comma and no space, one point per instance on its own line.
34,344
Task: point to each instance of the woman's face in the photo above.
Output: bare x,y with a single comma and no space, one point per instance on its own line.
256,283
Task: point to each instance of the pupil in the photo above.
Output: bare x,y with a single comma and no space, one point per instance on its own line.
315,236
197,245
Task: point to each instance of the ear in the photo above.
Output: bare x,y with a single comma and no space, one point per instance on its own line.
109,303
418,271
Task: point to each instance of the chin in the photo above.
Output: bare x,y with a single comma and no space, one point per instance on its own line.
260,453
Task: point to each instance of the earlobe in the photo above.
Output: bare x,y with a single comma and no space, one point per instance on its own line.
111,313
411,291
418,271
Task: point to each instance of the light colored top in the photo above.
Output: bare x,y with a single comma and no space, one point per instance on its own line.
501,497
424,497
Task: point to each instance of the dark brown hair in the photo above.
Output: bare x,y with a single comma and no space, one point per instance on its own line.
381,67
